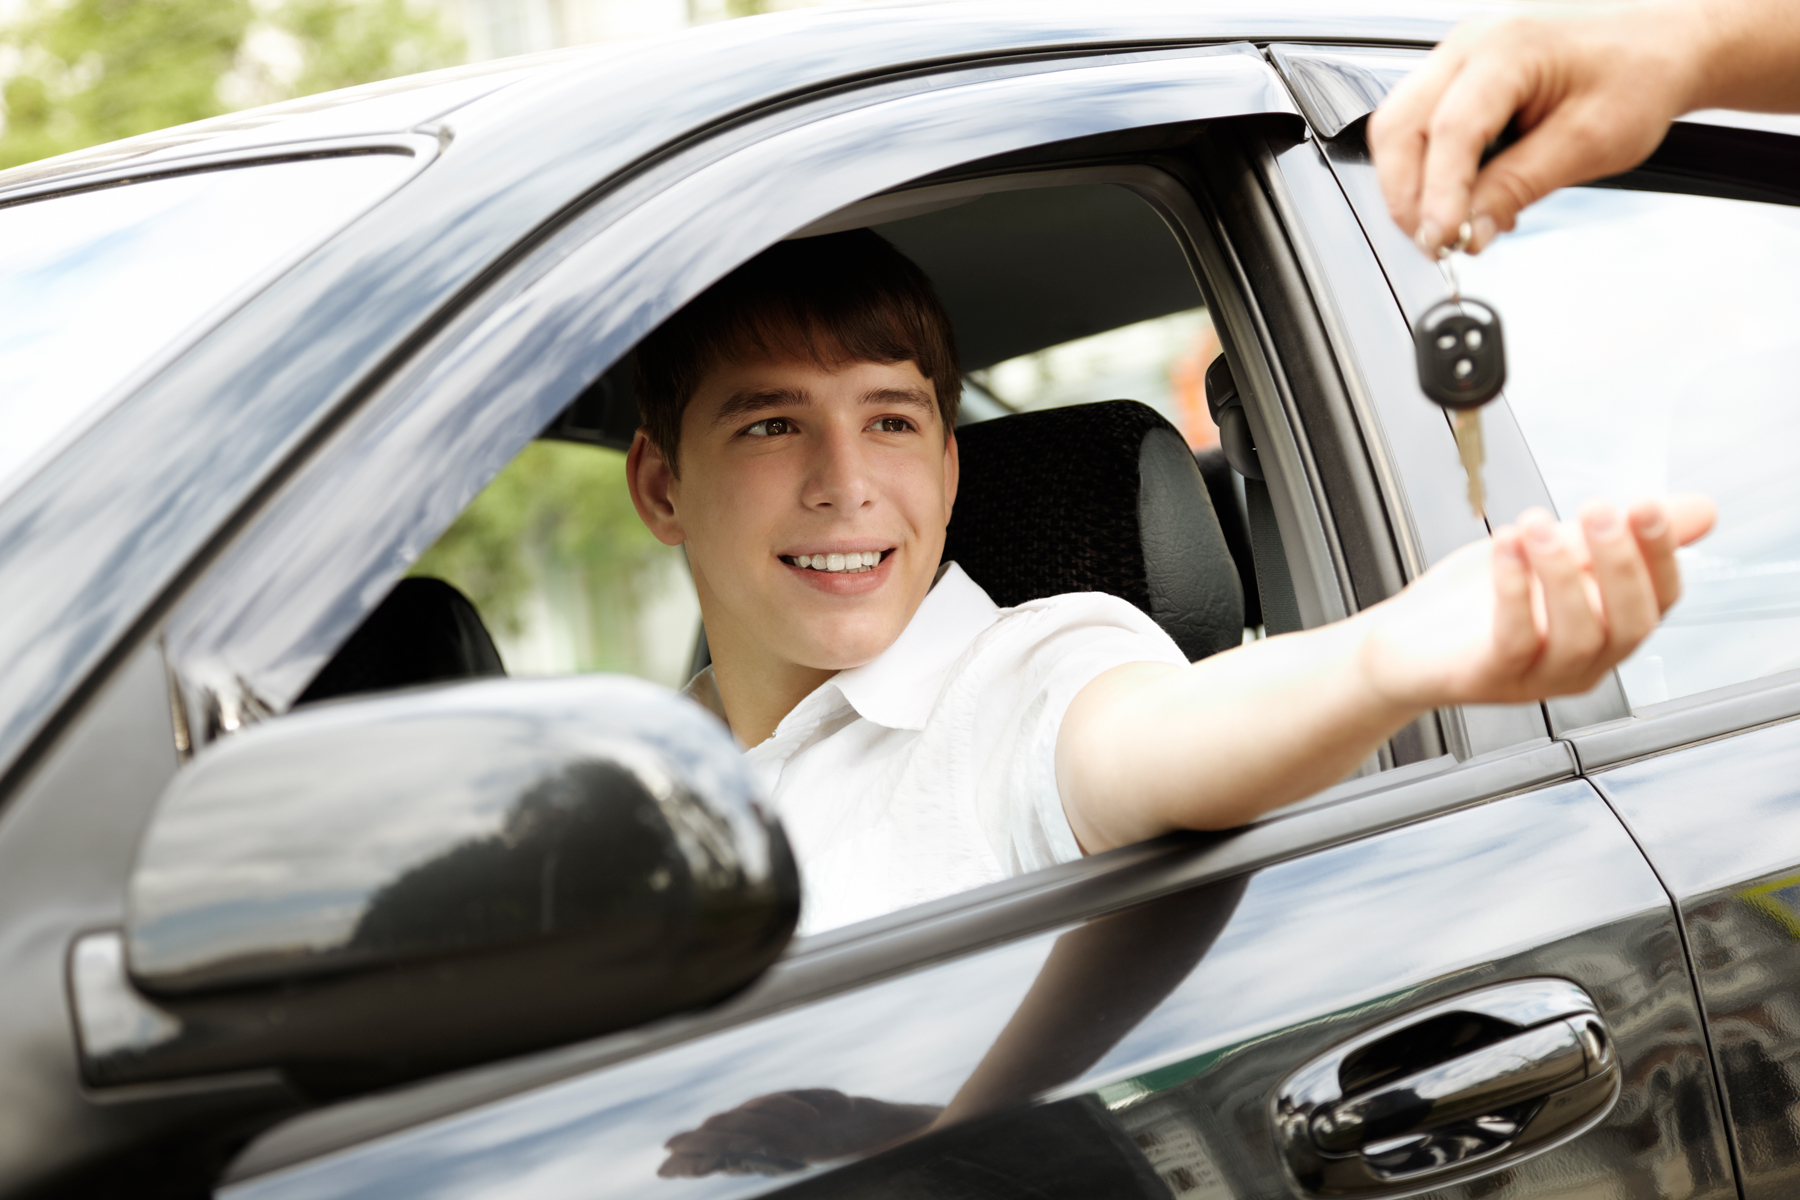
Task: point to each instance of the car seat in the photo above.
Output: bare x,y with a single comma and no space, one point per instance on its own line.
424,631
1096,498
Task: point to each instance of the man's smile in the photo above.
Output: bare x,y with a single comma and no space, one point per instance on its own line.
842,572
836,561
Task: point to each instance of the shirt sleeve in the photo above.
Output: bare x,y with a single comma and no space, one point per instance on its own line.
1028,668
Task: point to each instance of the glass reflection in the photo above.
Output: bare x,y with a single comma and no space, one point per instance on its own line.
1098,982
97,284
1651,340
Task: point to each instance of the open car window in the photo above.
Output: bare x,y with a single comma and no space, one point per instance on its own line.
1059,296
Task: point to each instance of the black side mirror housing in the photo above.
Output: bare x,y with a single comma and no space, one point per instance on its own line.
374,890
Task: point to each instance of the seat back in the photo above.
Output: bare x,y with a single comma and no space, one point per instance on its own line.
424,631
1096,498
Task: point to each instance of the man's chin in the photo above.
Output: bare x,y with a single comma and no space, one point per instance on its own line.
849,649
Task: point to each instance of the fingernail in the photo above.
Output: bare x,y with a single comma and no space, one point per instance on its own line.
1484,233
1651,524
1538,528
1430,236
1601,521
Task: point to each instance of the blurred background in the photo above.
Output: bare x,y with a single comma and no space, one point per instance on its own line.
551,552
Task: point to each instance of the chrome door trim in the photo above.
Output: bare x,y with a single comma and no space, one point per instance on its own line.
423,148
1688,721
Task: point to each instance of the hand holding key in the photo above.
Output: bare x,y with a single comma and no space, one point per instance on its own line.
1541,609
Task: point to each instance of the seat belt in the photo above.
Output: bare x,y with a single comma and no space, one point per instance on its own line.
1274,585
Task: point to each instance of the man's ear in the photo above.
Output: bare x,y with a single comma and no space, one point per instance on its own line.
652,482
952,471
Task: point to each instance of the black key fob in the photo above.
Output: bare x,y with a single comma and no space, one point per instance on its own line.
1461,352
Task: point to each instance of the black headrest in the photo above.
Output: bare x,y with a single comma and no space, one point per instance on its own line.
422,632
1096,498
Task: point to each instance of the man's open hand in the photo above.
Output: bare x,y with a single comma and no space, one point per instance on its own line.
1542,609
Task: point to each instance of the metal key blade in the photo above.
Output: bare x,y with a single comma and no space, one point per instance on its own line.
1467,423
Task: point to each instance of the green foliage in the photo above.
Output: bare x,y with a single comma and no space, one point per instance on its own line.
558,520
347,42
92,71
96,70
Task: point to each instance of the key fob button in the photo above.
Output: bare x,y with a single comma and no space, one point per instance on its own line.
1461,353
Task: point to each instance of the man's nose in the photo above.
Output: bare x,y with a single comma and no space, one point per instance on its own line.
838,475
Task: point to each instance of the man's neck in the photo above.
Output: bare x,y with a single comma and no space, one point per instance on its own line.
757,695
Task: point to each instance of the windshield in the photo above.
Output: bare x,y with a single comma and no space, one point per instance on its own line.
98,288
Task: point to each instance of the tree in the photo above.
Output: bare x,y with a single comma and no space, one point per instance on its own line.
91,71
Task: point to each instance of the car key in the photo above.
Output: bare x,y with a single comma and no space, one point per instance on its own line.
1462,365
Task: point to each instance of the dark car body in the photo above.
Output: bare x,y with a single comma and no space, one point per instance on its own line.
183,567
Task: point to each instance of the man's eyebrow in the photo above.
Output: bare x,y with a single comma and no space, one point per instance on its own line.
914,397
755,400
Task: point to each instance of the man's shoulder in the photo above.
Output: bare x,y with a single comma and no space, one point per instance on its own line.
1066,623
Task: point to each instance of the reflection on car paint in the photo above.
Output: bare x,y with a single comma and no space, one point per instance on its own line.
1721,821
1312,951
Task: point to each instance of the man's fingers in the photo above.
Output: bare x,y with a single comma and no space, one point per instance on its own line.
1691,514
1472,112
1573,634
1655,536
1516,637
1397,134
1627,596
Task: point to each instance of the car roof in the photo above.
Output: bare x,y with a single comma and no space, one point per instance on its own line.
801,49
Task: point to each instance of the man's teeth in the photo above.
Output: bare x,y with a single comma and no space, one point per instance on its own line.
856,560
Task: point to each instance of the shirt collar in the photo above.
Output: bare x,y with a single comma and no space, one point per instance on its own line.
898,687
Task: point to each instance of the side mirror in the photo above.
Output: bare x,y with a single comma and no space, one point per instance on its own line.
380,889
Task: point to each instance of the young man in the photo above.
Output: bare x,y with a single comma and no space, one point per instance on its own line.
917,740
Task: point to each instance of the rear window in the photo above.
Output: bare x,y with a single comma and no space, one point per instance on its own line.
100,288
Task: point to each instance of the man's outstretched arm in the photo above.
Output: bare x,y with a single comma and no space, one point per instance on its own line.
1594,94
1539,610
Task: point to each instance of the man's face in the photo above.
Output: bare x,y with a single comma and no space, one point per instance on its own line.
785,463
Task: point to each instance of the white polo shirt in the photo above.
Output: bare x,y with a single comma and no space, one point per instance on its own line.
931,769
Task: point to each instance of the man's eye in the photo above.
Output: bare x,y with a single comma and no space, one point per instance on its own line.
893,425
770,427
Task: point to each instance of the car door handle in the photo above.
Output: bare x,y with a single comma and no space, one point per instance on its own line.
1527,1066
1453,1090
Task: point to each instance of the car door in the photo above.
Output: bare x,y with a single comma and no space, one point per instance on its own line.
1196,1016
1688,386
1701,770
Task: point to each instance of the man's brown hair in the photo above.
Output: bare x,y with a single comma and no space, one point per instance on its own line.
834,299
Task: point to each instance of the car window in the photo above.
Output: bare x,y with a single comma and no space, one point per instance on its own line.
566,576
1651,340
96,285
1161,362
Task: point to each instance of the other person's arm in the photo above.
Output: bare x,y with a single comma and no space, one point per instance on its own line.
1540,610
1594,94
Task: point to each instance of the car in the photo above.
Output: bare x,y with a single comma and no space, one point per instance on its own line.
281,910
